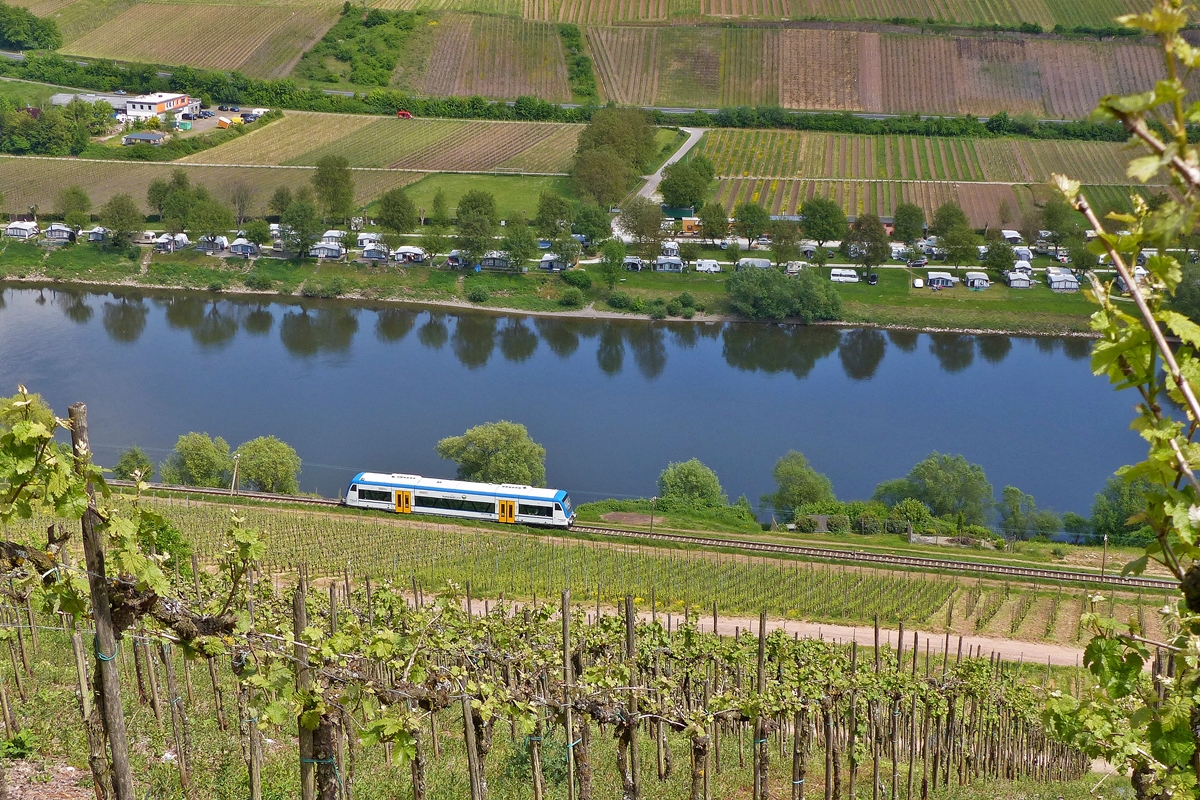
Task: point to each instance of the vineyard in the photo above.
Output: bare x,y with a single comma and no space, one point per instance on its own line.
496,56
258,40
425,144
846,70
36,181
790,154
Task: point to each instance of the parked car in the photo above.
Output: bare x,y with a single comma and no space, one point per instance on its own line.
917,263
206,115
234,108
222,108
186,115
872,279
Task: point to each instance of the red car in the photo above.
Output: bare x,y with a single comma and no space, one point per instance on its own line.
404,114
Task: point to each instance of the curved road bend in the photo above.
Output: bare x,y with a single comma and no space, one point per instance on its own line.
652,181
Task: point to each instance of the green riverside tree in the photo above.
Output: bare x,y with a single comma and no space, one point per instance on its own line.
268,464
198,460
496,452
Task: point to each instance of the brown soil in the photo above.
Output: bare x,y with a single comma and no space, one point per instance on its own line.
626,518
42,780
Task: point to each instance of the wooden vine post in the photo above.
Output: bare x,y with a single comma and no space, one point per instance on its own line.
761,750
304,683
108,676
567,694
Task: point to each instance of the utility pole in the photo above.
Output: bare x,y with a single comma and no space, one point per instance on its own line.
653,503
233,484
108,685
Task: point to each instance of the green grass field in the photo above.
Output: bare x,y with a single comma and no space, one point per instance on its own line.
513,192
20,93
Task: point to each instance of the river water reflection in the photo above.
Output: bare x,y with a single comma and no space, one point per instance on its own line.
613,401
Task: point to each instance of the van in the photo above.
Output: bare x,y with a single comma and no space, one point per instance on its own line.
843,275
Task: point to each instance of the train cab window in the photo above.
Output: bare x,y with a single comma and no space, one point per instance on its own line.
558,508
354,487
528,510
376,495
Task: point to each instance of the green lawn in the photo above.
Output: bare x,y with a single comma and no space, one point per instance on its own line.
667,141
513,192
20,93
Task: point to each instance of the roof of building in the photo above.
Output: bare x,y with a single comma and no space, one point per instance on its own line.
156,97
145,136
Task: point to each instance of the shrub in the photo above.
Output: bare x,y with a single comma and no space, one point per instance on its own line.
806,525
132,461
577,278
688,312
912,510
868,524
619,300
269,464
217,285
638,306
572,297
686,300
257,280
477,294
674,308
658,312
690,484
838,523
334,287
198,460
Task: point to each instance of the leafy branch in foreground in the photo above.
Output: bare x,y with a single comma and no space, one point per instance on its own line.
1147,722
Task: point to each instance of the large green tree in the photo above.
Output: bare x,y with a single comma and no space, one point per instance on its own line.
949,485
397,215
132,463
475,236
268,464
602,175
477,201
122,217
690,484
612,262
798,483
770,294
823,221
751,220
626,132
908,224
333,184
198,460
714,221
301,228
554,213
519,242
870,241
947,216
496,452
642,220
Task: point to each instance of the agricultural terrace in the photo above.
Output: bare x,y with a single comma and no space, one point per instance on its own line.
497,57
260,41
706,67
302,138
793,154
523,566
37,181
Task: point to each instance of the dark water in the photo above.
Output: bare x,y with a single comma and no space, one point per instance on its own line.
375,388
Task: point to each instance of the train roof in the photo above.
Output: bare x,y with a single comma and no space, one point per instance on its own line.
465,487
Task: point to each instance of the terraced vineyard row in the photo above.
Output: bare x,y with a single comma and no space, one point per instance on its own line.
30,181
781,196
207,36
302,138
865,71
791,154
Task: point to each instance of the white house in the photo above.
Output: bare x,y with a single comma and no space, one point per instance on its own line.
409,253
324,249
376,251
940,280
161,105
1018,280
22,230
668,264
333,237
57,232
977,280
97,234
369,237
243,247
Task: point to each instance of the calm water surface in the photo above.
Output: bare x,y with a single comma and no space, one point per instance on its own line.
354,388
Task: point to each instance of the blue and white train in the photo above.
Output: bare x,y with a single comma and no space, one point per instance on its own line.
493,502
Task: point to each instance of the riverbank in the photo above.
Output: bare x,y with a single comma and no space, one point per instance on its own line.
891,304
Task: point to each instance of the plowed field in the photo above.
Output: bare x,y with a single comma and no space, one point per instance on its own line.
29,181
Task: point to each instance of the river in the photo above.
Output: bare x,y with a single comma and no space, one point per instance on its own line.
360,387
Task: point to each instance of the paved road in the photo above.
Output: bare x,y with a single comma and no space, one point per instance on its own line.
652,182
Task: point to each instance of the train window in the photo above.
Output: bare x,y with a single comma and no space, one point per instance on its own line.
375,494
454,504
527,510
354,487
557,507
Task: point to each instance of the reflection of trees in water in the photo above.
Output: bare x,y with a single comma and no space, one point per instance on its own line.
560,336
41,298
73,306
215,329
517,342
610,353
648,343
905,340
777,348
994,349
474,339
1047,344
433,334
685,336
954,351
259,321
184,313
306,333
1077,348
125,319
393,324
861,350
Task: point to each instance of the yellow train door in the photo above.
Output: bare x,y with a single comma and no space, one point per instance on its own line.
403,502
508,511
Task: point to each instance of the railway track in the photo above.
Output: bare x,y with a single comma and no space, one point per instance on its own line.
814,553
